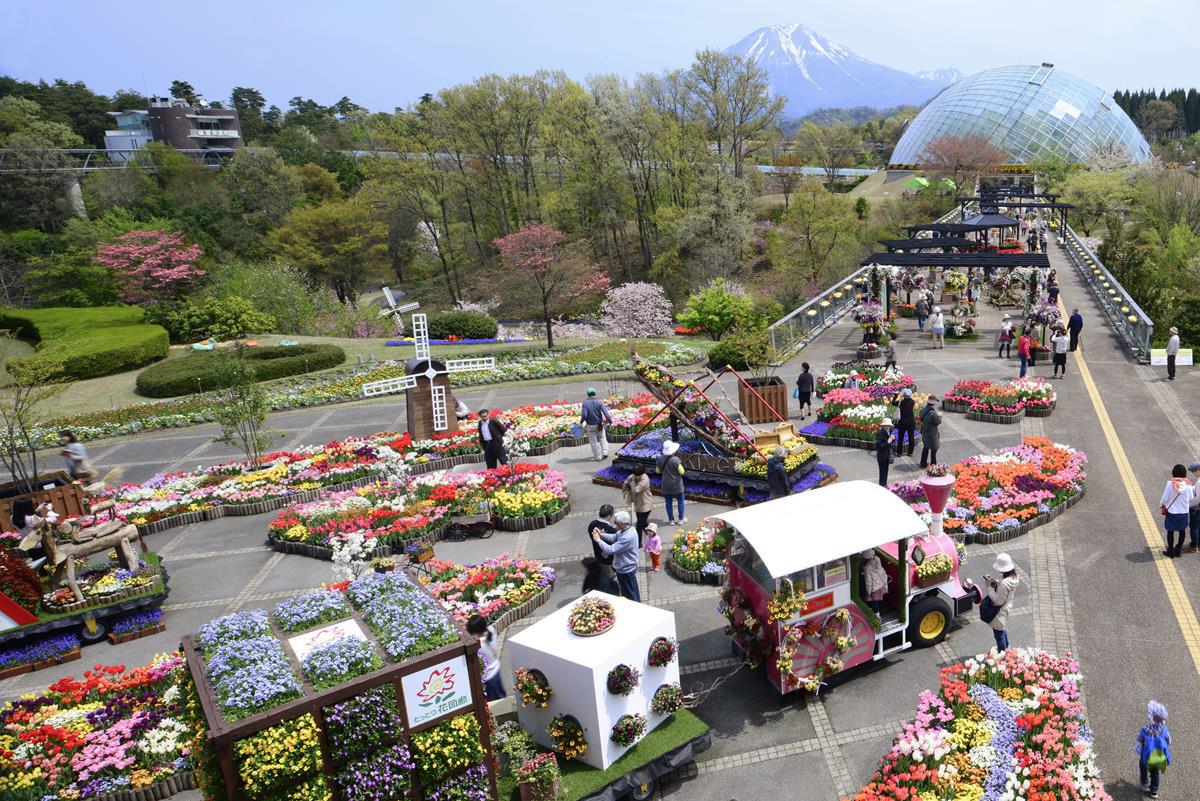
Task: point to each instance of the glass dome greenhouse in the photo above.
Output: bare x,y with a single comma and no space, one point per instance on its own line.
1026,111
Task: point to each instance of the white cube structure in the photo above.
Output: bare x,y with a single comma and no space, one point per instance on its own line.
577,670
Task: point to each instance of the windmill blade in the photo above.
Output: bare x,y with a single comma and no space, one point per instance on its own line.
391,299
420,335
397,310
463,365
441,420
389,386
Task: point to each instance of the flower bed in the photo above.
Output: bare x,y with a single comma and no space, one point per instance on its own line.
36,654
819,475
1004,494
136,625
700,550
877,381
1001,726
333,386
591,616
1001,401
112,732
390,514
495,588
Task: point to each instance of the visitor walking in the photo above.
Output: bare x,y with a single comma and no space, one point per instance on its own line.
1153,748
804,390
930,418
603,523
1006,336
596,576
1052,294
1175,507
640,496
889,353
921,311
883,449
1172,352
489,654
670,467
906,424
1000,595
654,547
1059,344
1023,348
75,456
777,474
594,417
1194,508
1074,327
491,440
623,548
937,324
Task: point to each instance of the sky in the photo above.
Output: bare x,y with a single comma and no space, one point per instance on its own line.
384,54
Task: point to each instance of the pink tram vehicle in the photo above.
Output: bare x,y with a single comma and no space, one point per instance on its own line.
798,570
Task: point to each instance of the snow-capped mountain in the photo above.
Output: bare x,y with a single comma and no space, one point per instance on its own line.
814,72
945,75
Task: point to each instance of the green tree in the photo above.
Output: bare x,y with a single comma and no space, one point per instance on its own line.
830,147
716,309
317,184
184,91
815,241
242,412
278,289
260,186
250,106
21,400
1095,195
732,95
338,243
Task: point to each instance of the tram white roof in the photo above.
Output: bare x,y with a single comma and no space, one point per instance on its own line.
820,525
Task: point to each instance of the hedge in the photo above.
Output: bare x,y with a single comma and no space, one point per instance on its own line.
197,371
463,325
87,343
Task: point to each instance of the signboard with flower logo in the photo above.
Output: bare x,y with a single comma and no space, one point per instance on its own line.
304,644
436,691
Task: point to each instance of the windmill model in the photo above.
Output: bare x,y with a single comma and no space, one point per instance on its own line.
426,380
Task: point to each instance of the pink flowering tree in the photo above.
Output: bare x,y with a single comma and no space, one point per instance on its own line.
637,309
150,265
536,262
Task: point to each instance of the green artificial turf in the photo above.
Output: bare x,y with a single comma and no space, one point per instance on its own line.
580,780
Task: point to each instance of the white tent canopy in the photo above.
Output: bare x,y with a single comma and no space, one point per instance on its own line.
820,525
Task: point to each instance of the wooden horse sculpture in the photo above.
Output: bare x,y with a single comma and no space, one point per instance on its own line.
106,536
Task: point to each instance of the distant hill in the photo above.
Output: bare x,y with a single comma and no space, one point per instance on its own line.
816,73
850,116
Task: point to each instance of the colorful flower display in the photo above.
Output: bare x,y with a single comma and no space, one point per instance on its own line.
489,588
694,549
1003,489
340,660
568,737
877,381
114,730
629,729
37,649
623,679
448,747
1002,726
591,616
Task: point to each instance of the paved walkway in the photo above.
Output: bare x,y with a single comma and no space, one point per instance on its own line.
1092,583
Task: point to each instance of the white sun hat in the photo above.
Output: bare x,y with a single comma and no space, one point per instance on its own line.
1003,563
670,447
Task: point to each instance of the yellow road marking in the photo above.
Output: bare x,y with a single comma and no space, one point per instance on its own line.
1180,602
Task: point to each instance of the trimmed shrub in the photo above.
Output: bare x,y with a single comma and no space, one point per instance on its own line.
87,343
462,324
216,318
741,350
199,371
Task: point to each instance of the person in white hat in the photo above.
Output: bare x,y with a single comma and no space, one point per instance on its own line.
1172,352
670,467
1007,335
937,324
1000,595
883,449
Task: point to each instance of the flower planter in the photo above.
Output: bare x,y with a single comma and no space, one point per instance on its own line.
771,407
532,792
957,407
1004,535
693,576
1039,411
117,639
69,656
992,417
17,670
937,491
868,354
931,581
164,788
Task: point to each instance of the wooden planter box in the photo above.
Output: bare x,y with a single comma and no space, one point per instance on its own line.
989,417
868,354
117,639
773,391
932,581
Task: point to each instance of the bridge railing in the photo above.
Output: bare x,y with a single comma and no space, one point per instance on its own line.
87,159
1126,317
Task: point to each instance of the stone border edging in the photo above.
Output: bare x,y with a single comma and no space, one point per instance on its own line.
993,417
958,407
693,576
117,639
992,537
517,612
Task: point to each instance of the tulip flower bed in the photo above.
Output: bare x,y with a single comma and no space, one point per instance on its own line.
850,418
1001,726
498,588
393,513
112,731
1005,494
698,555
337,386
980,398
876,381
648,447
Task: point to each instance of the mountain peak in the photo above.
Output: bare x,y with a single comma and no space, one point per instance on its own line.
943,75
815,72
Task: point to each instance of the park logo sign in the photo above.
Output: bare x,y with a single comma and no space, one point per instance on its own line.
436,691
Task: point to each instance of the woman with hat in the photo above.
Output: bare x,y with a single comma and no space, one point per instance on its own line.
670,467
937,324
1001,594
906,425
883,449
1172,352
1007,335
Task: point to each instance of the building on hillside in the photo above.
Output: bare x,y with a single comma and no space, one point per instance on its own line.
1027,112
185,127
131,134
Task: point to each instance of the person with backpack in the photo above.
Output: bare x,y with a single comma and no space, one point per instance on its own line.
998,600
1174,507
1153,748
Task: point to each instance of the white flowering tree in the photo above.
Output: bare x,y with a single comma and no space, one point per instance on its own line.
637,309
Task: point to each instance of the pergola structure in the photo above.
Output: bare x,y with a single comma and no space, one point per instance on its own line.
1022,201
945,243
944,261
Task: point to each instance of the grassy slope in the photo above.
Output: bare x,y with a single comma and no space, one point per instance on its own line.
117,390
9,349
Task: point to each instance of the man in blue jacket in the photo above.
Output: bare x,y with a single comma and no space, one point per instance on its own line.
594,418
623,547
1074,326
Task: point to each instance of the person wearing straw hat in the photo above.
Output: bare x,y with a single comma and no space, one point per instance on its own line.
883,449
1172,352
670,467
1000,595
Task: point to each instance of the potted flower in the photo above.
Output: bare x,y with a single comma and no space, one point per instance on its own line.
538,778
534,689
934,570
629,729
568,737
383,564
662,652
936,483
623,679
591,616
667,699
